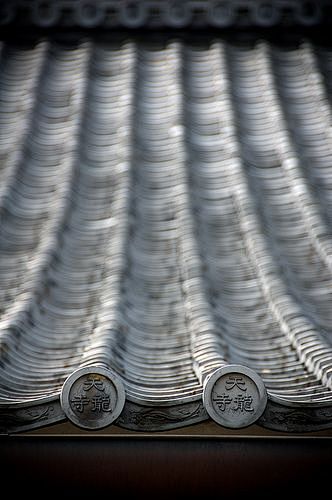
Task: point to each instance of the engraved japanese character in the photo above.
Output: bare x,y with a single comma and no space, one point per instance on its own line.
79,402
101,403
93,382
234,381
242,403
222,400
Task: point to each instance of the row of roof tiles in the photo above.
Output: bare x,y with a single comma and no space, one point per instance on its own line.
164,13
166,214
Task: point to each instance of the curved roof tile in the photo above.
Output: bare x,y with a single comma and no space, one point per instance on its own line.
166,214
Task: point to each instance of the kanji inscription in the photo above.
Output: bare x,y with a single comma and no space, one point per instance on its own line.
234,396
92,397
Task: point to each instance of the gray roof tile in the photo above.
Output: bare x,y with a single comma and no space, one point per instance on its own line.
166,212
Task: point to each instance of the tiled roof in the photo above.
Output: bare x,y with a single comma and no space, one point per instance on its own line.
160,14
166,214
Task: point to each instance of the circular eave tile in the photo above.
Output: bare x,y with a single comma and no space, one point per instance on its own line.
92,397
234,396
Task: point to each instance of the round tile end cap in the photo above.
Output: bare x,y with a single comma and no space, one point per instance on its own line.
92,397
234,396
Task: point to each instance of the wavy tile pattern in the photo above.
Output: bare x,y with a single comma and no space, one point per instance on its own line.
165,210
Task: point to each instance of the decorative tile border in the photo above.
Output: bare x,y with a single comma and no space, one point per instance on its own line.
135,14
